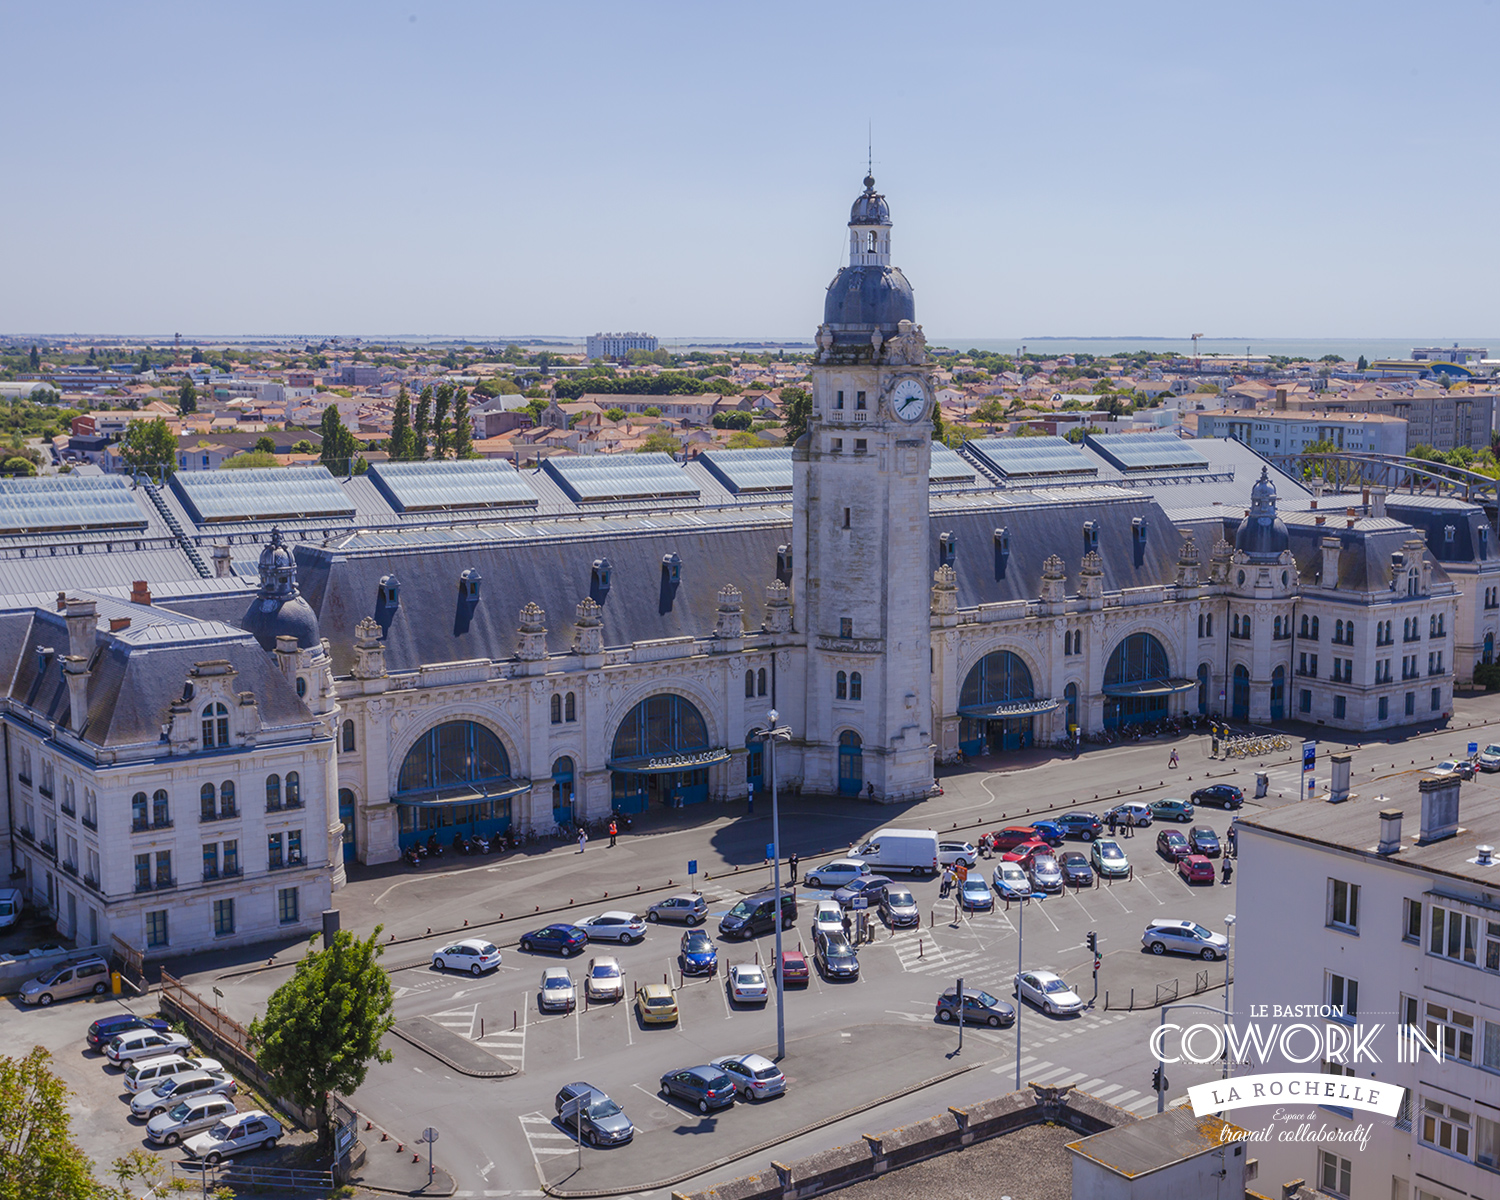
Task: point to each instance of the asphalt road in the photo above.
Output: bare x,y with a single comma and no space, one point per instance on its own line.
847,1043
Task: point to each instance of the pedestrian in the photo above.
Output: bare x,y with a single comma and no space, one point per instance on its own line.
1172,762
1111,822
1127,820
582,838
750,802
947,885
1228,870
848,926
792,863
1234,841
613,831
869,791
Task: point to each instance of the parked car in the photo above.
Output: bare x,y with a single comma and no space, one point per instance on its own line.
950,853
1026,853
1489,758
604,980
980,1008
755,1076
747,984
1048,992
1171,845
835,957
755,915
699,954
689,908
1085,826
1046,875
1171,810
1184,937
1461,767
189,1116
656,1004
80,978
706,1087
871,887
1204,841
828,917
1196,869
105,1029
623,927
1225,795
566,940
170,1092
251,1130
1011,836
974,895
794,969
474,955
588,1113
900,908
1011,883
836,873
1075,868
1132,812
555,992
144,1043
1109,860
1049,831
143,1074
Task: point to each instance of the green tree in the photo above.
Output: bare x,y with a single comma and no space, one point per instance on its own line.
36,358
187,398
615,414
197,356
250,458
403,441
937,422
651,411
361,465
323,1027
463,429
303,446
422,424
1363,364
660,441
38,1158
743,439
150,446
18,466
145,363
265,445
796,404
442,431
537,407
732,420
339,445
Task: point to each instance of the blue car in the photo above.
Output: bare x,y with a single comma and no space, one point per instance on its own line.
706,1087
1051,832
566,940
974,895
102,1031
699,957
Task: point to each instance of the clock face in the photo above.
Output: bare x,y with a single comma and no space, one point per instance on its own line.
909,400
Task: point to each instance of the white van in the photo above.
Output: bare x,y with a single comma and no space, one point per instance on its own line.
913,850
12,901
70,979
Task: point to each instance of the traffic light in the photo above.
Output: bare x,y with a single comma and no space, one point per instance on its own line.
1093,943
1158,1080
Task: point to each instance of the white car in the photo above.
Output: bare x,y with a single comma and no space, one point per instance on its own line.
755,1076
174,1091
244,1131
950,853
1011,883
471,954
556,991
747,984
837,873
828,917
144,1043
604,980
1184,937
1461,767
1048,992
1489,758
146,1073
189,1116
623,927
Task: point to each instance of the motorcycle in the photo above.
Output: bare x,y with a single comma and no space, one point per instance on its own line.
434,848
413,856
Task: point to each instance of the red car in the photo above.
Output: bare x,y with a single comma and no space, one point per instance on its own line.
1172,846
1195,869
1011,837
794,966
1027,851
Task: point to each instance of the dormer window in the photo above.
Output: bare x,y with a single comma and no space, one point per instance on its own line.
215,726
1448,534
947,549
1090,536
1138,526
602,570
389,594
784,561
468,584
671,567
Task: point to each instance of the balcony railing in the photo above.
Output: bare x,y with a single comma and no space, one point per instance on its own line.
155,885
226,873
227,814
90,882
139,826
285,804
71,868
90,823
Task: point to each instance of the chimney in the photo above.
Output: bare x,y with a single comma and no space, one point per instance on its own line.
1377,501
81,619
76,673
1364,496
1320,520
1330,578
62,601
140,593
1439,808
1390,831
119,624
223,568
1317,489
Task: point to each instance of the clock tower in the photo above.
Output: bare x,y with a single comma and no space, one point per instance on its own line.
860,530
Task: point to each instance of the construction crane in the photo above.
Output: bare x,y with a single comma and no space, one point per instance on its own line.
1197,362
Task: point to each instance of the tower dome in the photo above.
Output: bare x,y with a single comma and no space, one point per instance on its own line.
278,609
1262,534
869,293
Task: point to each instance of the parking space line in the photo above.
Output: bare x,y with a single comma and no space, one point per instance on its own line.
1111,892
1079,902
1149,892
724,996
657,1096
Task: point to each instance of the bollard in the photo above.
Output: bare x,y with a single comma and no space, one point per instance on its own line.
481,1029
606,895
384,1136
400,1147
919,948
369,1124
415,1157
515,1020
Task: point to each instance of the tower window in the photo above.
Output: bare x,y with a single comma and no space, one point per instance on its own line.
838,400
870,242
859,401
846,518
556,709
856,686
861,445
846,627
841,686
570,707
749,685
760,681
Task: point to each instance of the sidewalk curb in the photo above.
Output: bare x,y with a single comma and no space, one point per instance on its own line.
449,1063
762,1147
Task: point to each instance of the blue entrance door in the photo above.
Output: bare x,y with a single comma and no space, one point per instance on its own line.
346,815
1278,694
1241,693
851,764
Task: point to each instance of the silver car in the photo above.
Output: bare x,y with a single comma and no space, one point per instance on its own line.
189,1116
755,1076
1048,992
178,1088
1184,937
556,991
1046,875
623,927
604,980
687,909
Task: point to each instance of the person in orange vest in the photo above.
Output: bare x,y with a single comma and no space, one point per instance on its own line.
613,831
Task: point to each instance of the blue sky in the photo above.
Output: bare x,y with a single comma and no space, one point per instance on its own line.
1262,170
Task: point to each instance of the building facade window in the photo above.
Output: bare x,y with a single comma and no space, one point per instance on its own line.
232,857
1453,934
1451,1029
287,906
570,707
348,734
207,803
161,810
1446,1127
1411,921
223,917
143,872
1340,706
556,709
1343,994
760,682
1343,906
215,726
273,792
274,860
841,686
210,860
163,868
138,813
156,929
856,686
749,685
293,790
294,846
1335,1174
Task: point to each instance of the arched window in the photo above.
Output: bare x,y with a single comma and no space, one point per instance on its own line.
1489,647
161,810
206,802
1070,697
998,678
841,686
749,685
570,707
1200,624
1276,628
138,815
1338,631
226,798
664,724
856,686
348,737
215,726
1241,692
1236,624
556,709
454,753
301,686
1304,624
1210,624
1278,694
1203,677
1315,627
760,682
293,790
562,788
273,792
870,242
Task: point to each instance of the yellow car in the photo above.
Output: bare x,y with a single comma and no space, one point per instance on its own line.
656,1004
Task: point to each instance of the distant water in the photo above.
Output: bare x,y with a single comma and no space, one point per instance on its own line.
1314,348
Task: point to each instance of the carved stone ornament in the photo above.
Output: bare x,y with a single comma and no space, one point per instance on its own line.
825,341
876,340
944,591
1053,568
778,608
531,640
1093,564
729,623
1189,552
369,650
908,347
588,636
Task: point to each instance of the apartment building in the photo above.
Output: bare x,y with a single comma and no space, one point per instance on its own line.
1387,910
1444,420
618,345
1282,434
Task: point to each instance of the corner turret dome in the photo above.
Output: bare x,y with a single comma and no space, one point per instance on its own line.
870,207
869,293
278,610
1262,535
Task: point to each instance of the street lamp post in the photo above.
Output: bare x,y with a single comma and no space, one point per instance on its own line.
1020,959
769,736
1228,976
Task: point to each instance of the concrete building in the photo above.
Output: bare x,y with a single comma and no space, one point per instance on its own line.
1441,419
261,391
1283,434
1389,902
618,345
1450,354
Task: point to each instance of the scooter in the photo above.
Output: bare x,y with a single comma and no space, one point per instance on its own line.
413,856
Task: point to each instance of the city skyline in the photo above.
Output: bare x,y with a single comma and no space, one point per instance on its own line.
476,168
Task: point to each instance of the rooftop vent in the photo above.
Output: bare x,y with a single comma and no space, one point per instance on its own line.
1485,857
784,563
1390,831
388,597
599,580
1439,808
140,593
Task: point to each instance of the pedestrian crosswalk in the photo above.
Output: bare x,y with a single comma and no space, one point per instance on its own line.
544,1138
460,1020
508,1045
1042,1071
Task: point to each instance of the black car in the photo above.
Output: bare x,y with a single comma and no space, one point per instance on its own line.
1085,826
105,1028
587,1112
1203,840
871,887
835,957
980,1008
1225,795
566,940
1076,872
707,1087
